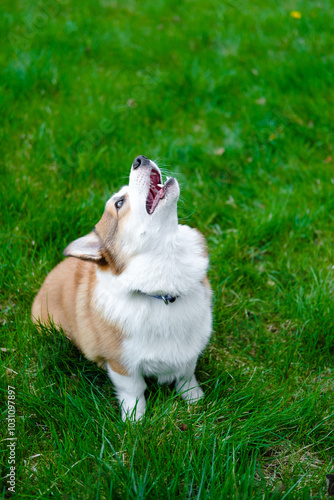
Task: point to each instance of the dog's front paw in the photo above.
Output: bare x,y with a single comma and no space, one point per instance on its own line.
189,390
133,412
192,395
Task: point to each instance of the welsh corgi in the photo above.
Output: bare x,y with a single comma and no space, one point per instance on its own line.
133,294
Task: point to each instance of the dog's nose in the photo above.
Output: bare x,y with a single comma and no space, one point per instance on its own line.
140,160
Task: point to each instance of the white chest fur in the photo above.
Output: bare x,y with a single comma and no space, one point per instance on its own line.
159,339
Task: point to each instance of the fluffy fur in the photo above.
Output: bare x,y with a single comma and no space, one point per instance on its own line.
102,295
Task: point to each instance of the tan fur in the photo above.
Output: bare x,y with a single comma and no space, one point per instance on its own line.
66,299
106,229
205,252
206,283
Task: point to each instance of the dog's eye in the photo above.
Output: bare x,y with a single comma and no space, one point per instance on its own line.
119,204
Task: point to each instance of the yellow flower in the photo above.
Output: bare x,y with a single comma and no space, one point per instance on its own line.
295,14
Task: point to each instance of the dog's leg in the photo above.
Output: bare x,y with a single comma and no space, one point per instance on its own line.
187,385
130,394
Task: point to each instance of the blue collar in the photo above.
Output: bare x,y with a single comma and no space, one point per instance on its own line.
166,298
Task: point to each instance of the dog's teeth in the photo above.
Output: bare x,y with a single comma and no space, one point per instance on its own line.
160,185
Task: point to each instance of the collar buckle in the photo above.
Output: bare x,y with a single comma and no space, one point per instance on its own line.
166,298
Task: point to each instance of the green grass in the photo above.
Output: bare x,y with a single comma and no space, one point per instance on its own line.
85,87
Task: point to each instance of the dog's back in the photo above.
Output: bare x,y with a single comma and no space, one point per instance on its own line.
66,299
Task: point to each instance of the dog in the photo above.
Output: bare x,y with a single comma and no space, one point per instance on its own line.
133,294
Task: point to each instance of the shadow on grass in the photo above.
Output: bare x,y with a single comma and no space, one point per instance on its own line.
58,354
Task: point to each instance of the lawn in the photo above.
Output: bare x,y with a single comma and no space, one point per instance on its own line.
236,99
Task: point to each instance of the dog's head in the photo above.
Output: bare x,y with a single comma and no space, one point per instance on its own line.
139,218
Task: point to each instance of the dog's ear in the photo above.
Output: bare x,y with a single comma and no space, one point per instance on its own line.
88,247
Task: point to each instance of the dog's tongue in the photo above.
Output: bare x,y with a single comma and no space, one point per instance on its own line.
155,193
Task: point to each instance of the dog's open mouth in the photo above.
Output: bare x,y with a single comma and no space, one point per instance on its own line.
157,190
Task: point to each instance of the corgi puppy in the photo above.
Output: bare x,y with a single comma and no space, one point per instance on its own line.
133,294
